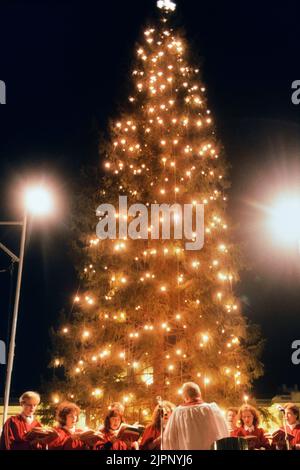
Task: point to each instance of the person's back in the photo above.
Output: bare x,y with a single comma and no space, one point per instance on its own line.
195,425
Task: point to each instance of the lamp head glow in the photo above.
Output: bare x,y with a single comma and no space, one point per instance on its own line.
38,200
285,219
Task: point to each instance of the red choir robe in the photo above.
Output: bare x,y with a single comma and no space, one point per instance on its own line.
14,432
232,431
149,435
105,441
295,443
64,441
260,441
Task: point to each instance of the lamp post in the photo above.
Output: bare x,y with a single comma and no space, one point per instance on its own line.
37,201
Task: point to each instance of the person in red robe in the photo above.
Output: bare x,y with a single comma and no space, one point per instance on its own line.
249,419
151,438
293,425
67,437
109,431
14,431
291,416
231,419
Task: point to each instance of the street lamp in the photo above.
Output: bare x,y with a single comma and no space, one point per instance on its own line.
284,219
37,201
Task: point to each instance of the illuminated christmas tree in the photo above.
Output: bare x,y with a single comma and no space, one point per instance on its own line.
150,314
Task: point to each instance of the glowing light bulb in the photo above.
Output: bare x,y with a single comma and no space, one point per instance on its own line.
222,247
38,200
205,338
55,399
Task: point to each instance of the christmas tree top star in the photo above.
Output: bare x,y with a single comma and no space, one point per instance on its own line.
166,5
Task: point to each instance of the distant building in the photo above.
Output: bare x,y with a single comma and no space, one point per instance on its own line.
285,395
288,395
13,409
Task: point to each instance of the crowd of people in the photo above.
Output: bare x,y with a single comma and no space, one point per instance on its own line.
193,425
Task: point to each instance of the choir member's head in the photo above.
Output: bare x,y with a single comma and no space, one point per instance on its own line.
113,420
291,412
165,412
29,402
232,416
67,414
117,406
191,392
248,416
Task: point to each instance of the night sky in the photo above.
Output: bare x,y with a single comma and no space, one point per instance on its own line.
66,65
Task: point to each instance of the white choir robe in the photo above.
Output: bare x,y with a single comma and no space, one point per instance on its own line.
194,427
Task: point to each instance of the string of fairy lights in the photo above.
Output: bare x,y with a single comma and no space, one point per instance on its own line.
163,150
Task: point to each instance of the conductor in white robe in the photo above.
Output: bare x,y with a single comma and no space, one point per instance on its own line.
194,425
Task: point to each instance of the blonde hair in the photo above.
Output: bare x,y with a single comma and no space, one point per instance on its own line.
29,395
191,390
293,408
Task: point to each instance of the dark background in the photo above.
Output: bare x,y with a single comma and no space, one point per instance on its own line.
66,65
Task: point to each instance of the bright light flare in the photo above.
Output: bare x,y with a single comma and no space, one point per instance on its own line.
38,200
285,219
